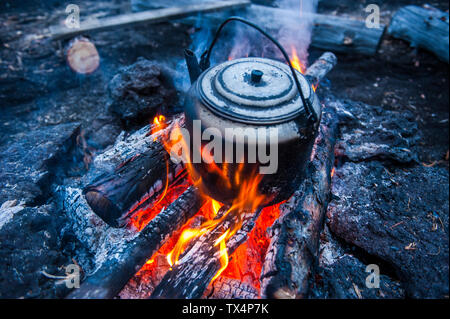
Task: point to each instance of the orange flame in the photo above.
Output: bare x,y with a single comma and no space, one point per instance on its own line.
299,66
159,123
295,61
248,200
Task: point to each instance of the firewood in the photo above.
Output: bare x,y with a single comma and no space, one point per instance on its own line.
139,177
82,56
294,246
201,261
320,68
129,257
426,28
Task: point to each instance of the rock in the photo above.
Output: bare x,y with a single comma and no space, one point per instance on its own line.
398,215
138,91
30,161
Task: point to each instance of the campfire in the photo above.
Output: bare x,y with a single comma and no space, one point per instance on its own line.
203,247
208,150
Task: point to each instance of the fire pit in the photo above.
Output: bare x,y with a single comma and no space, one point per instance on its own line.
120,179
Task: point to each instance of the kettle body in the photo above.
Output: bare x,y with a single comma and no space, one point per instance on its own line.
252,122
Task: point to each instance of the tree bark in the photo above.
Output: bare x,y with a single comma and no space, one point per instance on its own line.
329,32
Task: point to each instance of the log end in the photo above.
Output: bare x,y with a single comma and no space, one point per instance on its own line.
82,56
104,208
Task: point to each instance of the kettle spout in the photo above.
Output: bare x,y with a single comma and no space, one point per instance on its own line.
192,65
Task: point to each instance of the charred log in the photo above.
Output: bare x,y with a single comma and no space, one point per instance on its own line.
294,246
138,180
201,261
125,261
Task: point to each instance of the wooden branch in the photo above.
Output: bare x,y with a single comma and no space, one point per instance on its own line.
125,261
294,245
328,32
152,16
136,181
201,261
426,28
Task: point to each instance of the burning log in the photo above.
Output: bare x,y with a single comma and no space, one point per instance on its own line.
129,257
139,179
201,262
317,71
294,246
82,56
426,28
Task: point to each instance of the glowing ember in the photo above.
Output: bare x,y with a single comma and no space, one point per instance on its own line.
246,262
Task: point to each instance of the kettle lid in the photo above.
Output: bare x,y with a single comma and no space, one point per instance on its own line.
254,90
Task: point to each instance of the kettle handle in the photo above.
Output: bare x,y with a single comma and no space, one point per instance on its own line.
205,61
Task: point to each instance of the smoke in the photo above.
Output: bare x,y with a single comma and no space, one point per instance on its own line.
296,30
288,21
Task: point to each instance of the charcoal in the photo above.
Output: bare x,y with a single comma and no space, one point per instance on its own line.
138,91
399,215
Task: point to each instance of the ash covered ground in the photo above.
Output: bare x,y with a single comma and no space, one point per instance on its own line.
390,187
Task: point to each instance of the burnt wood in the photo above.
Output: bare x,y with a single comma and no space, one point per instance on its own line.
201,261
424,27
124,262
136,181
294,246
